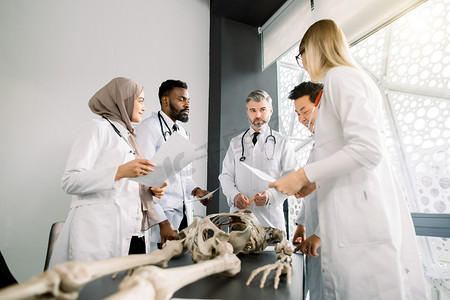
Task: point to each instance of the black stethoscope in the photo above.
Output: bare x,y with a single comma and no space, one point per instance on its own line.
270,136
168,131
118,132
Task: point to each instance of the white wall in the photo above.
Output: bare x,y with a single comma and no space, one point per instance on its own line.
54,55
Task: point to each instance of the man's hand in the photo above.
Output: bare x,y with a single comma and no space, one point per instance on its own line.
309,246
241,201
299,235
261,199
200,193
167,232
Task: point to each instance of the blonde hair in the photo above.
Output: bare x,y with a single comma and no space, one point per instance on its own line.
325,47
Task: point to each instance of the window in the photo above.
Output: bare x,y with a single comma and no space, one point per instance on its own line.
410,61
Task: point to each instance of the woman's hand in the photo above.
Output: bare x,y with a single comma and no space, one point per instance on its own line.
291,183
306,190
159,192
135,168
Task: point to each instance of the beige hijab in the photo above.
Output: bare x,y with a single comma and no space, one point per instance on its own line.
115,101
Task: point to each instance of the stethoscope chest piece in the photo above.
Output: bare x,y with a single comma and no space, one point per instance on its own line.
269,137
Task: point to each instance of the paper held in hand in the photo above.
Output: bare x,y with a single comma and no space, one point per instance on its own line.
204,197
260,173
175,154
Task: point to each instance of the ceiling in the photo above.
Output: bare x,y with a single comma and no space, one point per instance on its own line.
251,12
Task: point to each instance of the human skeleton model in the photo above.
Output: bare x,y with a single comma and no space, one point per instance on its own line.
213,250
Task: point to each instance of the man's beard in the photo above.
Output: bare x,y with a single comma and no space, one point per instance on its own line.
262,124
178,115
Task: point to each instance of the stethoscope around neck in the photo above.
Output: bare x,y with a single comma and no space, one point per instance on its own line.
120,135
166,132
270,136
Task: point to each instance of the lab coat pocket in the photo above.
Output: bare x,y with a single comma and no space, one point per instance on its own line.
361,218
95,232
271,167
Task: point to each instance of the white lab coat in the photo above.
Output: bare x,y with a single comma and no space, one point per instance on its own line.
104,214
236,178
369,248
150,136
309,217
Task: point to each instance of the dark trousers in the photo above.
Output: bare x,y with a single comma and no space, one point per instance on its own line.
137,245
184,222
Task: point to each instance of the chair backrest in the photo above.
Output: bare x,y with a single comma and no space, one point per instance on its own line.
6,278
54,233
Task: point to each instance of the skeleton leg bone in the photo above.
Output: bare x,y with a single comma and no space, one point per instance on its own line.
67,279
165,282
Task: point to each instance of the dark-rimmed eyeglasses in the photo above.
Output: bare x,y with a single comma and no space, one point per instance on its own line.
298,58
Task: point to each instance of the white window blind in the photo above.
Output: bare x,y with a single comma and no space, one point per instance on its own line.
357,18
284,30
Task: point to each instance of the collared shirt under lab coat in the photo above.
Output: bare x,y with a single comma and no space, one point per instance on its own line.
236,178
369,248
150,138
309,217
104,214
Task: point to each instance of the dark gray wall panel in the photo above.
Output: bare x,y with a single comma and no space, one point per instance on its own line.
235,72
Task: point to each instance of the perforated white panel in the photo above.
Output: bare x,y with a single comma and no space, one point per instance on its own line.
410,61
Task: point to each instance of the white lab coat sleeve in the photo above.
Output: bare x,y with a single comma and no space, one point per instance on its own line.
317,230
227,177
338,163
349,100
190,186
80,177
145,138
300,220
289,164
159,212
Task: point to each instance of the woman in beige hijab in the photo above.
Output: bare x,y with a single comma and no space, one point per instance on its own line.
108,212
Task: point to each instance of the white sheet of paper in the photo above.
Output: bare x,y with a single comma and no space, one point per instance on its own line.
204,197
259,173
175,154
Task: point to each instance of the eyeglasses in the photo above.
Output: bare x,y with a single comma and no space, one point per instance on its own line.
298,58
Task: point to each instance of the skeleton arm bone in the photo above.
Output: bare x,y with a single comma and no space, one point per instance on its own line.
165,282
67,279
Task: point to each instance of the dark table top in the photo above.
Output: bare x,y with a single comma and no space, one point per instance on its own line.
221,286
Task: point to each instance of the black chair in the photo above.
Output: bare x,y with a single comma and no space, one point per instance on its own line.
54,233
6,278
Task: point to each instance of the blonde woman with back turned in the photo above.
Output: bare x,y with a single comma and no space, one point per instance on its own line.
368,242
